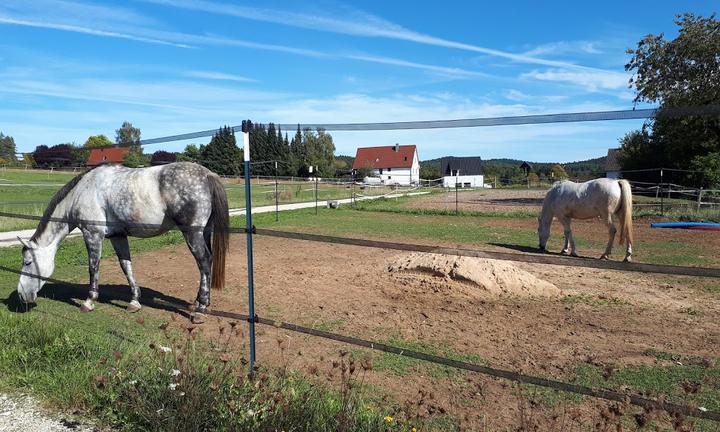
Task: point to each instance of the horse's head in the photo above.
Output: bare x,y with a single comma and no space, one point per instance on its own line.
38,264
543,233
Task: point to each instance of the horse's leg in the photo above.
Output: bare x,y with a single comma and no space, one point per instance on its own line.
122,249
628,252
566,247
611,236
93,243
198,247
569,240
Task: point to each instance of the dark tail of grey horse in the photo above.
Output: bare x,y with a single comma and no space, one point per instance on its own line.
221,232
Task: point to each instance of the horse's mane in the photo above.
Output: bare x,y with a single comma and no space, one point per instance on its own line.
56,199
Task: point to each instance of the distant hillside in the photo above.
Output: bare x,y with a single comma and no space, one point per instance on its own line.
574,169
505,167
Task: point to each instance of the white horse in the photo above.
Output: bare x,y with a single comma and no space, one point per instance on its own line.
115,202
609,199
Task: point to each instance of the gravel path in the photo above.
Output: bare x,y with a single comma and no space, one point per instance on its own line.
22,413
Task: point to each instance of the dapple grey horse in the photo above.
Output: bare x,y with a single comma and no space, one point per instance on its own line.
115,202
609,199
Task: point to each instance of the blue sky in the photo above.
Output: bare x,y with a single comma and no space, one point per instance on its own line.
70,69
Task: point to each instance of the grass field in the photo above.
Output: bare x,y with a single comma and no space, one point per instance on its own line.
28,192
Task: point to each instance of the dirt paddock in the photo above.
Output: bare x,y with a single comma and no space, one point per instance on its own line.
599,317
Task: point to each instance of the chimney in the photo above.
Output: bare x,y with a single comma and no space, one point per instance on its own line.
397,147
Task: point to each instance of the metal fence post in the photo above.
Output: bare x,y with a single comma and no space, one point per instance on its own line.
246,126
316,195
456,196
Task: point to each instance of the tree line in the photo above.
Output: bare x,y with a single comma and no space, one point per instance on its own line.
309,152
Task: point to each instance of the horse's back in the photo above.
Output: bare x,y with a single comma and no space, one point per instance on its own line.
583,200
160,196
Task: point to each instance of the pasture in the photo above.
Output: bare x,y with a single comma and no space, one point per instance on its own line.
646,333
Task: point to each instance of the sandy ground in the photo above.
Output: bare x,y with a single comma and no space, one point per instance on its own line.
600,317
486,200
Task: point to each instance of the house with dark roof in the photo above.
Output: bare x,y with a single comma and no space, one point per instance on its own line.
103,155
398,164
612,164
527,168
462,172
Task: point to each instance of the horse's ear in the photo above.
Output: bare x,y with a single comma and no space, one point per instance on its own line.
24,243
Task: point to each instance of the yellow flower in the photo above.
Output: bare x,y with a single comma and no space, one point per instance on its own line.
413,430
388,419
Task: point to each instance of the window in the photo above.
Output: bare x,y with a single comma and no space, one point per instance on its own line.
389,169
389,177
381,170
405,158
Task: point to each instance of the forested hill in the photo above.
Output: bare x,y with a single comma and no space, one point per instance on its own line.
583,168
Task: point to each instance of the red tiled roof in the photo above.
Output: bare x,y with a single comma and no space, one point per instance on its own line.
384,157
107,155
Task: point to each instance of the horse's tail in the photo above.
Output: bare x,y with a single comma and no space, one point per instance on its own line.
625,213
221,231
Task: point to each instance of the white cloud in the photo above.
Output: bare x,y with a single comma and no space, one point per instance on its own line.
220,76
442,70
87,30
590,80
355,23
564,47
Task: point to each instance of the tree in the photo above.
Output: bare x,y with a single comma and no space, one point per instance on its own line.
54,157
320,152
709,167
190,154
7,148
558,172
127,134
162,157
98,141
430,172
296,157
680,73
222,155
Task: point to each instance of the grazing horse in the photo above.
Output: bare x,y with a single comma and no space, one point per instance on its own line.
611,200
114,202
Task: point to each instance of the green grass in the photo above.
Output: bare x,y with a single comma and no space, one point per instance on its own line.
593,300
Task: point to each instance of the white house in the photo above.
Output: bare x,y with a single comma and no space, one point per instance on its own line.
612,164
462,171
398,164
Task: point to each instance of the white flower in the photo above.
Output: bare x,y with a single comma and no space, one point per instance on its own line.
133,382
182,393
174,372
703,409
172,386
165,349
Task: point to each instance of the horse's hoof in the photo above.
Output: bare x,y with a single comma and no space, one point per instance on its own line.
193,307
198,318
604,257
575,255
564,252
627,259
87,306
134,306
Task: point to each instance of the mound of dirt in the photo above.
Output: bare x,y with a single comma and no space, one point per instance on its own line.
491,276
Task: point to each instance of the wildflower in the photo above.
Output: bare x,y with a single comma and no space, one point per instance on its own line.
413,430
388,419
174,372
172,386
182,393
703,409
165,349
133,382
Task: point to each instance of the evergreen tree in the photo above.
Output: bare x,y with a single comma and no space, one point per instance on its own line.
222,155
7,148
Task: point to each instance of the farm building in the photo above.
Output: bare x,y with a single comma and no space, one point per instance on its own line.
612,164
463,171
398,164
99,156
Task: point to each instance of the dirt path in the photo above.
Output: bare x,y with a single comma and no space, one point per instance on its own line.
23,413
